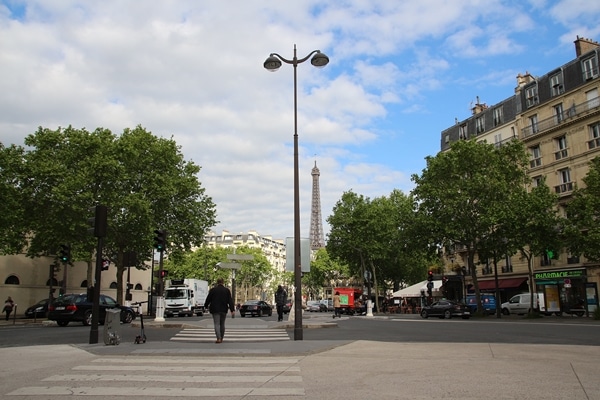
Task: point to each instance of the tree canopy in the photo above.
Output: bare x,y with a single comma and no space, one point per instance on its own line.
142,179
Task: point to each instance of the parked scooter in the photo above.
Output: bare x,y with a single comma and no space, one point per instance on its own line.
141,338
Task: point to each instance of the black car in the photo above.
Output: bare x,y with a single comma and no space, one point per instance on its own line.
76,307
287,307
256,307
38,310
446,309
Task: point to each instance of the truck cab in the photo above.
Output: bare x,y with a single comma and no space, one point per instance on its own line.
185,297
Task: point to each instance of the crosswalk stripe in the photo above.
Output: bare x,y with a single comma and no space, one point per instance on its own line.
155,391
259,377
231,335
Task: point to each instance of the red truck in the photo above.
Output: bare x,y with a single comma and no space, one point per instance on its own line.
347,298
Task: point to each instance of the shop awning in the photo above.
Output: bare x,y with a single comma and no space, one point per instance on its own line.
502,283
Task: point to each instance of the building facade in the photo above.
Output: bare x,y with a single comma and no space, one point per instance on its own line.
557,117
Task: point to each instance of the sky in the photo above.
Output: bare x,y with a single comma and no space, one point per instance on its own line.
400,72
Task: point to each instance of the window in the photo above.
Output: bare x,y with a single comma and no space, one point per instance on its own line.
498,116
533,123
536,156
564,177
537,180
12,280
594,136
589,67
561,145
558,113
462,132
531,95
556,84
480,122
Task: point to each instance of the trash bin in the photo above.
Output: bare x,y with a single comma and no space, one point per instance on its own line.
111,325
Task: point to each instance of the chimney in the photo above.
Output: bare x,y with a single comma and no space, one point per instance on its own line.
583,45
479,107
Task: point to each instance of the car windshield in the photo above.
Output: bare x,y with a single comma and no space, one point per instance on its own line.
251,303
174,294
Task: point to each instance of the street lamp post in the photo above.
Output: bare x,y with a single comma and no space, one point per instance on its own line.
273,63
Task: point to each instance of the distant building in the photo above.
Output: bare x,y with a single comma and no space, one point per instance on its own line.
273,250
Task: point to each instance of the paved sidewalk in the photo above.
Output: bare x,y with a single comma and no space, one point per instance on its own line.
351,370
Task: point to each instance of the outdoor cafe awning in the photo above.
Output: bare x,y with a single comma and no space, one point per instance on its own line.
507,283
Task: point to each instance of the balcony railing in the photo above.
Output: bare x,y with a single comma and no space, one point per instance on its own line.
573,112
564,187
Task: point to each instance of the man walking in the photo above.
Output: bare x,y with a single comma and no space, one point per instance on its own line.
218,302
337,304
280,300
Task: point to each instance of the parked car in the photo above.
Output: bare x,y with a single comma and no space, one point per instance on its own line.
446,309
488,302
38,310
520,304
77,308
328,305
287,307
256,307
315,306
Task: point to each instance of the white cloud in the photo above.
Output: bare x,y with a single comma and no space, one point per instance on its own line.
193,70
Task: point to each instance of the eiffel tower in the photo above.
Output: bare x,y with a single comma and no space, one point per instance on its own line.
316,238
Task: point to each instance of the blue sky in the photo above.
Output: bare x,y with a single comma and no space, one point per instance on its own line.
400,72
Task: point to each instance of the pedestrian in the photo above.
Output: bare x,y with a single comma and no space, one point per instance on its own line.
280,301
8,307
336,305
218,302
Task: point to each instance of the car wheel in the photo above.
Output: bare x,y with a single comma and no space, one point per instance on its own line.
259,313
243,315
424,314
447,314
127,317
505,311
270,312
62,323
87,318
580,313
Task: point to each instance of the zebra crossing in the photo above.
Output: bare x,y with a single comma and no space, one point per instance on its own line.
205,335
173,377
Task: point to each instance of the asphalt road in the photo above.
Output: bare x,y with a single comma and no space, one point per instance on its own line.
404,329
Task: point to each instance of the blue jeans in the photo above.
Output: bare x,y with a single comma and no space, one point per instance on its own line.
219,322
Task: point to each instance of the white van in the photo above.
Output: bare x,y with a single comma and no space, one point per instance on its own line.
520,304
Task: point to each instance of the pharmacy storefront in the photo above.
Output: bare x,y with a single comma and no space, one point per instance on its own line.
566,290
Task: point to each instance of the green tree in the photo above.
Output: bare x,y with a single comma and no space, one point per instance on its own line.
13,224
583,211
465,196
143,180
324,271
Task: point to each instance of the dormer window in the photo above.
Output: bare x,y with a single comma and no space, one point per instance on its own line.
556,84
531,95
589,67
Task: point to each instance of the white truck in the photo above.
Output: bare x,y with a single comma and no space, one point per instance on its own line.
185,297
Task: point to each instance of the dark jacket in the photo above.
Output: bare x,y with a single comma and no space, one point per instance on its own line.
280,297
219,300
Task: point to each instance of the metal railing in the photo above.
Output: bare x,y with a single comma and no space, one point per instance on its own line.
574,111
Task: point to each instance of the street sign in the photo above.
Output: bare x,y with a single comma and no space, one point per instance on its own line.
229,265
240,257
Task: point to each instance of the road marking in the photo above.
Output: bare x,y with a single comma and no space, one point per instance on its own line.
171,377
232,335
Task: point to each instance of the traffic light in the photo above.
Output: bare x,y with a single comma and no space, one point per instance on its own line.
430,276
105,264
98,223
65,253
160,239
163,273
